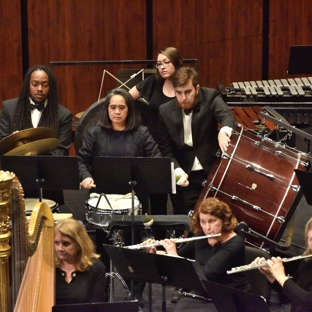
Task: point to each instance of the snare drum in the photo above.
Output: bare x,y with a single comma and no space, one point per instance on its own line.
98,210
31,202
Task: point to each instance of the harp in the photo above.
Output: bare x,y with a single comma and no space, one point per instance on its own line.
32,254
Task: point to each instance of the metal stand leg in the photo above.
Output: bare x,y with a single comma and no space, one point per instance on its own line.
118,241
111,276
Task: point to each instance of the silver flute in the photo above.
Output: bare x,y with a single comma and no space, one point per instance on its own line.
249,267
176,240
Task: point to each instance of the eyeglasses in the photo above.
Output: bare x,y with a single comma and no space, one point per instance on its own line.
163,64
309,239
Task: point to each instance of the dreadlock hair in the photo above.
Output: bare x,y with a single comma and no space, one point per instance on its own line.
49,114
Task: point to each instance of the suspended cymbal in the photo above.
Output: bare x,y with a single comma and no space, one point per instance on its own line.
24,136
38,147
79,115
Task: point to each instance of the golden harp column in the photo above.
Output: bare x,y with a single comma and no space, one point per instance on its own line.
6,179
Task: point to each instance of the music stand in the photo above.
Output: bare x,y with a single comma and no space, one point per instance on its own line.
129,306
300,60
234,300
135,174
132,174
305,181
43,172
157,268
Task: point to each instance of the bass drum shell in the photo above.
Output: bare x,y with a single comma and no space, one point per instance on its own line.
94,112
257,180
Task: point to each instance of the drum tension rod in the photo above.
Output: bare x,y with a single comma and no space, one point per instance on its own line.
251,168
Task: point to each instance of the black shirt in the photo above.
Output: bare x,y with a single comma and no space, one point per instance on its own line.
85,287
216,260
151,90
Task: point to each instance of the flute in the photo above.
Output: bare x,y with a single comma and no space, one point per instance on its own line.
176,240
249,267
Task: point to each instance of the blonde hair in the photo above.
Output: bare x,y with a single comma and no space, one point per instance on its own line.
77,232
308,228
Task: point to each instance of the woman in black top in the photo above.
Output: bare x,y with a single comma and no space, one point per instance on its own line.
118,133
156,90
215,255
80,275
299,288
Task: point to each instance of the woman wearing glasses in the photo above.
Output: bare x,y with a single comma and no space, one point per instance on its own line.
299,288
156,90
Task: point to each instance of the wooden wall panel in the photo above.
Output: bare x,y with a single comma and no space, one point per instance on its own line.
290,24
225,36
11,75
93,30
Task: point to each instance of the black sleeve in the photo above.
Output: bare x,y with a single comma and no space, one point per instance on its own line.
225,259
64,132
165,143
85,156
146,87
150,146
187,250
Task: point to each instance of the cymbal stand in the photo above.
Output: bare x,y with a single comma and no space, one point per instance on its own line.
117,237
40,182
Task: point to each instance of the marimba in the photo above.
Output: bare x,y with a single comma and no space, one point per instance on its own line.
280,92
291,97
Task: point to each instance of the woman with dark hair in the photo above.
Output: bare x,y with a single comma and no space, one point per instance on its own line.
80,275
118,133
215,255
299,288
156,90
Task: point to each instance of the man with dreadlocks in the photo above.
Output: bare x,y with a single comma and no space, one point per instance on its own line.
37,106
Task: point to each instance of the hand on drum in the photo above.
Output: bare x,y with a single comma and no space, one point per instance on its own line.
87,183
224,141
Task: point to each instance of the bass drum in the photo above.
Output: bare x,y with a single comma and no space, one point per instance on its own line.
256,178
92,115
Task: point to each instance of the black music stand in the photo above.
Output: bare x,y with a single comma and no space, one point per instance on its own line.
129,306
234,300
43,172
305,181
132,174
300,60
135,174
157,268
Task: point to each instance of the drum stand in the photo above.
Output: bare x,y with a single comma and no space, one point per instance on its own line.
118,242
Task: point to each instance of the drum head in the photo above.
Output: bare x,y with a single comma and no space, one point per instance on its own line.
117,202
31,202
